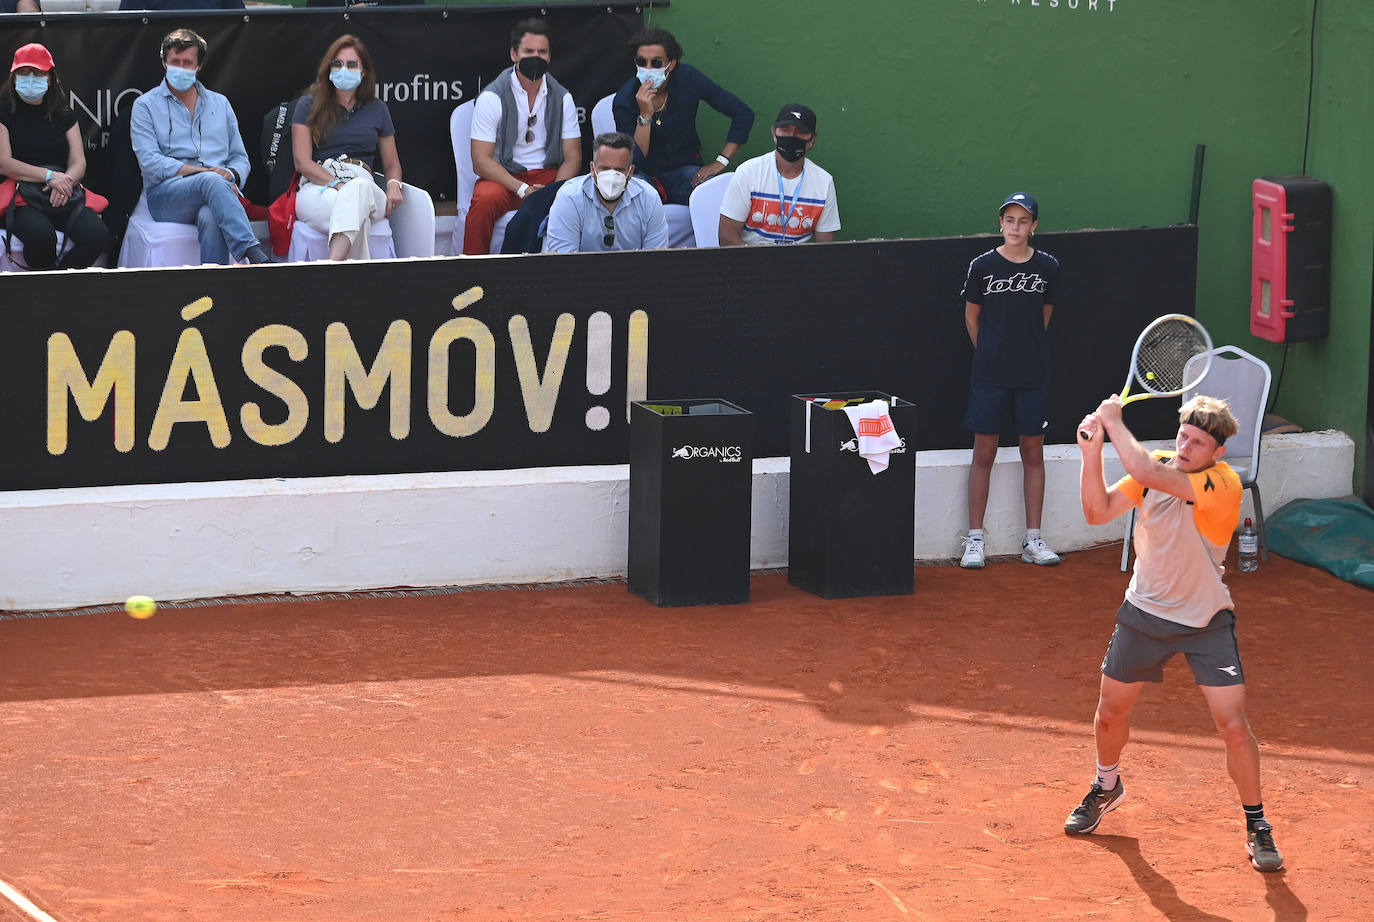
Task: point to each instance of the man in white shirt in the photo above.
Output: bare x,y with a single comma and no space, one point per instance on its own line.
524,134
781,197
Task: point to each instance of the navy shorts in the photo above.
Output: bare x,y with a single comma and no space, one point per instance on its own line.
990,405
1142,643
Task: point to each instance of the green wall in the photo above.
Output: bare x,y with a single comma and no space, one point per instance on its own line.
930,111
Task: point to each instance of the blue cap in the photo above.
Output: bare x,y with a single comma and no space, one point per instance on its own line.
1025,200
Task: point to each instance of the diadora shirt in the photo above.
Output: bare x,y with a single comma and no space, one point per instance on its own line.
1180,545
1013,345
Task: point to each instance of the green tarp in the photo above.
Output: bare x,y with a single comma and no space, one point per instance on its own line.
1334,534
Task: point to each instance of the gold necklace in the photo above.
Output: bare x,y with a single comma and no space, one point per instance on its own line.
658,121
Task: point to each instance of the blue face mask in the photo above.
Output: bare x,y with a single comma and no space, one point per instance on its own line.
345,79
180,79
30,87
655,76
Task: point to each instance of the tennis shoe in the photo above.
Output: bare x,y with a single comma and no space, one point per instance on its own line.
1036,551
1264,854
974,556
1097,804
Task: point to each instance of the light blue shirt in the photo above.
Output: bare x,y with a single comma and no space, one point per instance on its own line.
166,136
577,219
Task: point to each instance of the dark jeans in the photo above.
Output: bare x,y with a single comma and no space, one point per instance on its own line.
87,239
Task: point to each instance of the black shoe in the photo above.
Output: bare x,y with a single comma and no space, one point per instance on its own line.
256,255
1097,804
1264,854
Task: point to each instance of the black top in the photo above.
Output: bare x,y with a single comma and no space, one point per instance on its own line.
1013,345
34,139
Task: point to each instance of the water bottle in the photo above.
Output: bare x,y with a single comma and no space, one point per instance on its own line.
1249,548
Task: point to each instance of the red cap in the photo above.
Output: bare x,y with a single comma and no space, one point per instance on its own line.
32,55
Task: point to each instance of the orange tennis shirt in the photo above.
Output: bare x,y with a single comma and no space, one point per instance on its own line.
1181,544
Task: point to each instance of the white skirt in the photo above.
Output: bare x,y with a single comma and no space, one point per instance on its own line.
346,209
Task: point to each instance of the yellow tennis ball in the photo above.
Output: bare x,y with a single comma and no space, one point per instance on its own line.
140,606
1149,376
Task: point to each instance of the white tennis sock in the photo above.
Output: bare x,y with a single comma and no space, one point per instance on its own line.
976,533
1032,534
1108,777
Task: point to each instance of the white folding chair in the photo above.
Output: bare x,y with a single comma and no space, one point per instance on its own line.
412,222
150,244
460,134
705,206
1242,380
679,217
309,245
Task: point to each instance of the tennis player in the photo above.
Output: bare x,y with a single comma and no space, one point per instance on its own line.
1176,602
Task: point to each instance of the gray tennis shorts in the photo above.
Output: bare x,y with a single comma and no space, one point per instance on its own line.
1142,643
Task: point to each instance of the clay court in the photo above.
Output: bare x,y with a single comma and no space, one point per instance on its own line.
575,753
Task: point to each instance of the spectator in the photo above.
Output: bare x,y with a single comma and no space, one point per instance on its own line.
609,209
752,212
339,131
41,143
187,141
658,107
181,5
524,134
19,6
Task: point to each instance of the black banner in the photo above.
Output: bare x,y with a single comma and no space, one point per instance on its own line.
493,363
428,60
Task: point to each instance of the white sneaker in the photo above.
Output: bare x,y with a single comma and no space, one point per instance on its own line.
1034,550
974,557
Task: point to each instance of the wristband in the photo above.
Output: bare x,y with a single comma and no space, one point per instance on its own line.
722,160
334,183
396,181
524,190
48,176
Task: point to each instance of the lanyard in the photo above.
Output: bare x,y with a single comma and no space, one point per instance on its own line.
782,199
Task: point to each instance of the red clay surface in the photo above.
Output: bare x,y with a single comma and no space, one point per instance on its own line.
576,753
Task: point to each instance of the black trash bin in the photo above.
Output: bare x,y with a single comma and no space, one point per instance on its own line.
691,473
851,532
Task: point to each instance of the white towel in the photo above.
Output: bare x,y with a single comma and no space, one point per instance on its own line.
875,432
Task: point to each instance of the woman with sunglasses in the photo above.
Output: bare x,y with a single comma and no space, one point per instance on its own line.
339,132
40,142
658,108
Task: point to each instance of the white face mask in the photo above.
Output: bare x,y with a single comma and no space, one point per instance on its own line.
611,184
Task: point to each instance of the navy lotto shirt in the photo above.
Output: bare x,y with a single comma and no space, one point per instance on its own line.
1013,345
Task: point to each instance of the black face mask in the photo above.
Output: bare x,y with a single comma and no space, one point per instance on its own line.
533,67
791,148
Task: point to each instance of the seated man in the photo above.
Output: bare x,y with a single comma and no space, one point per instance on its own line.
524,135
608,209
759,207
187,142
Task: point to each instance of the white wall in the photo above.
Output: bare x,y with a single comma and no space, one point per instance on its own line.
69,548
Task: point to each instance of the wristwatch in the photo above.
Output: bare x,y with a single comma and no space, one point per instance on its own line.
641,119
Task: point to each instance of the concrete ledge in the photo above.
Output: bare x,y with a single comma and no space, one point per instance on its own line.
69,548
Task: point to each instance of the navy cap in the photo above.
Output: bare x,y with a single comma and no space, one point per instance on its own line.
1025,200
796,114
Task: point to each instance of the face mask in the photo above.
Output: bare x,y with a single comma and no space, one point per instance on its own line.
611,184
346,79
533,67
655,76
31,87
791,148
180,79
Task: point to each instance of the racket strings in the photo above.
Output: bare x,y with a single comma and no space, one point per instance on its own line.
1163,360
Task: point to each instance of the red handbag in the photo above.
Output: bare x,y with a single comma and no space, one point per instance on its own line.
281,217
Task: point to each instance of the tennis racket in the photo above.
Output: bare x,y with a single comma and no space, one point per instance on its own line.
1172,356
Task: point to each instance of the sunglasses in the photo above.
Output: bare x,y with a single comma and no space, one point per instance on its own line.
529,128
336,64
609,222
654,63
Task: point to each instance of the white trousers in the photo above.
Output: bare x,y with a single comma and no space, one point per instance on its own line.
347,209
